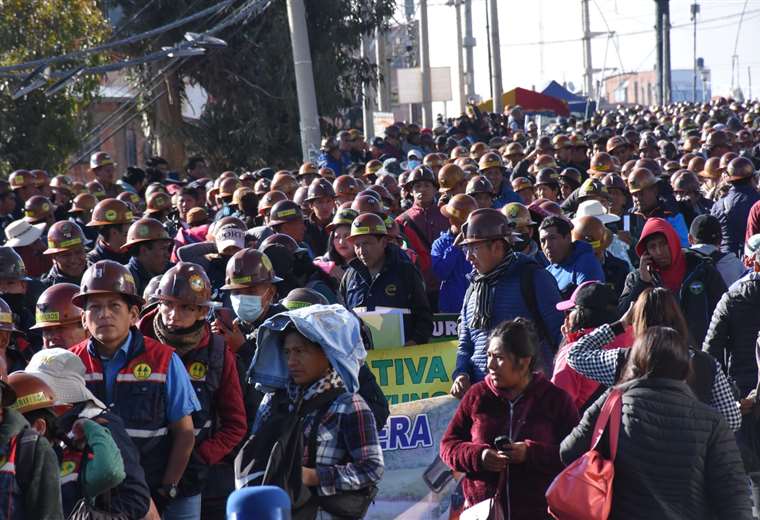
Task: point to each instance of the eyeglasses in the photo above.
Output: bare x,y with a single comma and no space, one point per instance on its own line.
474,249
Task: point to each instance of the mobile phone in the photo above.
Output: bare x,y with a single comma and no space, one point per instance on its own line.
627,223
437,475
225,315
502,442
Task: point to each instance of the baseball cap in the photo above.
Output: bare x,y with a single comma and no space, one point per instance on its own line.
64,373
230,236
706,229
592,295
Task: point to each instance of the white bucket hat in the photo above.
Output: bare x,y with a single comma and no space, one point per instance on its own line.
594,208
20,233
64,372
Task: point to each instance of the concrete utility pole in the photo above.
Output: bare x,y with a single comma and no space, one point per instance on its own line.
427,95
384,78
498,102
588,74
666,89
694,13
307,97
658,35
460,61
367,96
469,44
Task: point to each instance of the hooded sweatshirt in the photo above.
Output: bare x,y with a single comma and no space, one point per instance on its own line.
671,276
581,265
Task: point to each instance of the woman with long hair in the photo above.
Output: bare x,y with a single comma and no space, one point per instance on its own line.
656,306
676,458
506,431
339,250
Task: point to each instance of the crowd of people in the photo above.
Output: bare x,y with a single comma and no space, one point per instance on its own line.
169,335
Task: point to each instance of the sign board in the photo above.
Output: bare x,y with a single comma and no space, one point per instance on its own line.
444,327
412,373
410,443
409,84
381,120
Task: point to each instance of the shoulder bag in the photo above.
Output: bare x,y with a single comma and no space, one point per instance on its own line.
583,490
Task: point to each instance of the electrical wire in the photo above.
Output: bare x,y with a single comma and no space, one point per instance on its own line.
250,9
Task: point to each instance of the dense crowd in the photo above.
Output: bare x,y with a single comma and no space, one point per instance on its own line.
169,335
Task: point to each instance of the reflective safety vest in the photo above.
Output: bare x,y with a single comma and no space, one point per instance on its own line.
11,503
139,398
71,490
205,367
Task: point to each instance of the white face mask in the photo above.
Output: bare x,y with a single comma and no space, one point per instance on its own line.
247,307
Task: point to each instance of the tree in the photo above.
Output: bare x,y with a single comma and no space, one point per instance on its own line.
251,118
37,131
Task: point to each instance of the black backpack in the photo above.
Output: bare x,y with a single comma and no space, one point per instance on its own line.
274,454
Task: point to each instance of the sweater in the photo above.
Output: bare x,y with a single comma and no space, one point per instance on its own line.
541,417
676,457
581,265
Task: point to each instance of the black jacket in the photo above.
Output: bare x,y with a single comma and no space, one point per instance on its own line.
676,457
733,332
54,276
398,285
700,291
615,272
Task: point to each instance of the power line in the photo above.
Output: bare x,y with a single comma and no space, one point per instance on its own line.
78,55
636,33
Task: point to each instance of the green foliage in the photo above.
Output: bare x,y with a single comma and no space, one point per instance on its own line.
35,131
252,115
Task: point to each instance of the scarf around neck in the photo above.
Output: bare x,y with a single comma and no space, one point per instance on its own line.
481,290
183,340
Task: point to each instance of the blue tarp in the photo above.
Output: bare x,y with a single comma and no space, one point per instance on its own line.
577,104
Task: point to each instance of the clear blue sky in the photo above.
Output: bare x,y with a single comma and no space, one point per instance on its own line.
561,20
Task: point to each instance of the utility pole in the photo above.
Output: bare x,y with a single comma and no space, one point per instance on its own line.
427,97
307,97
384,78
588,69
694,13
666,88
460,61
658,34
367,104
498,102
469,44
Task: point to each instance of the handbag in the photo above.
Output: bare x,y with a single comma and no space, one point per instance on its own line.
583,490
488,509
86,508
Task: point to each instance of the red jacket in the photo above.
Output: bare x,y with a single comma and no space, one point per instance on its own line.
549,415
228,401
579,387
430,223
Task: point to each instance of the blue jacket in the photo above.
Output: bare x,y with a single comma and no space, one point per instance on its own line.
581,266
732,211
508,303
506,195
340,166
451,266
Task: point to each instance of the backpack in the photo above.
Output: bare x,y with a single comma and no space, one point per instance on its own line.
274,454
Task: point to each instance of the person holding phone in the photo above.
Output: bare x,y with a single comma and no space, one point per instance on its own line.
513,422
691,276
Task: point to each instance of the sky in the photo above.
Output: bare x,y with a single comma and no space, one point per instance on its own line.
523,23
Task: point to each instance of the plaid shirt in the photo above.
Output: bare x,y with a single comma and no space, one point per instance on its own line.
588,357
348,451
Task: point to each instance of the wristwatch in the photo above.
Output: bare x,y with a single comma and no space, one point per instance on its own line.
169,490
